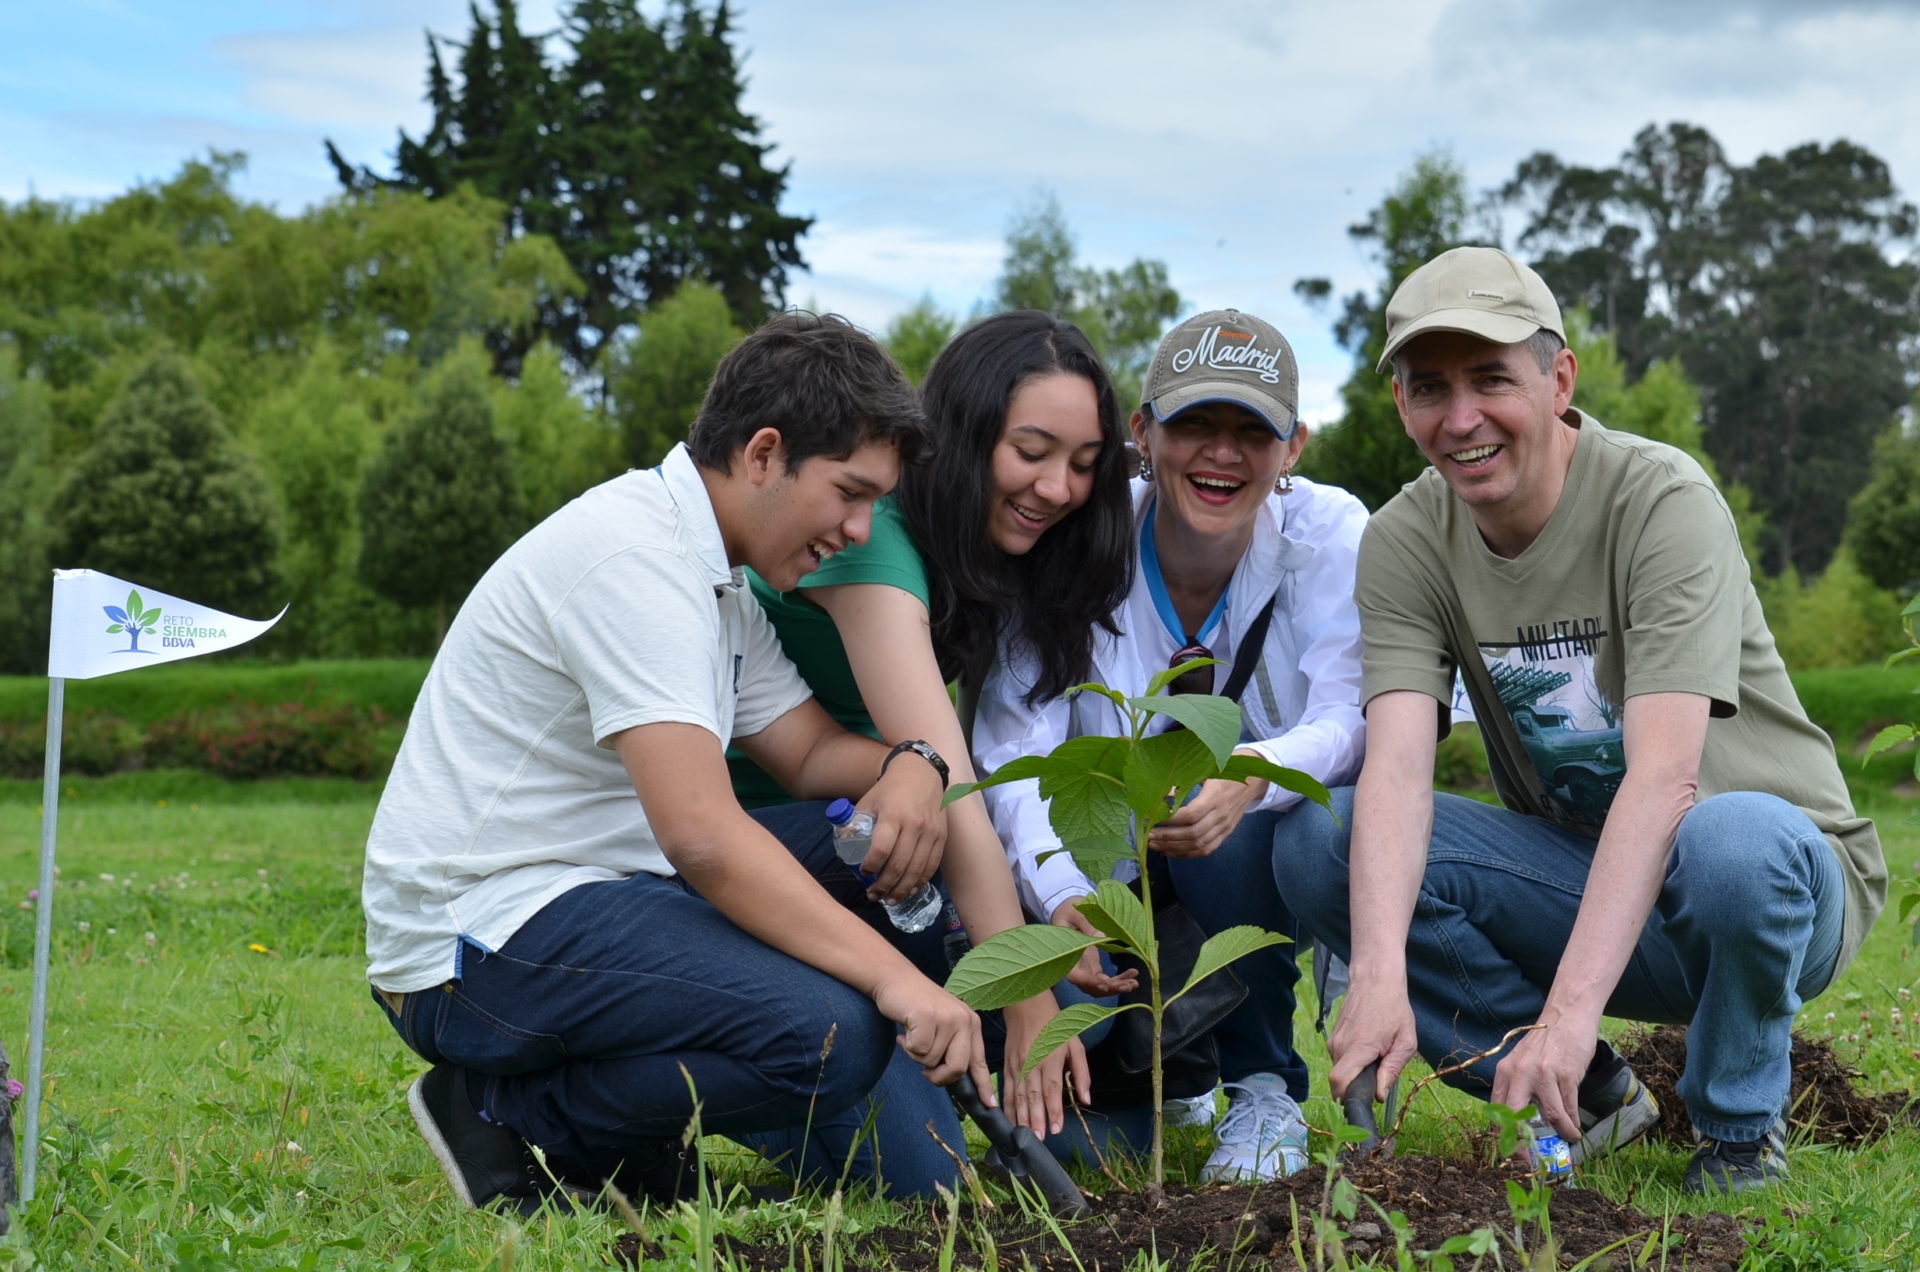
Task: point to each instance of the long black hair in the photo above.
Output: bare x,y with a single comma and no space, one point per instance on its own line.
1047,602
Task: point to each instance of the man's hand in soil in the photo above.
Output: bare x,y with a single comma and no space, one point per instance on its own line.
1375,1024
1544,1069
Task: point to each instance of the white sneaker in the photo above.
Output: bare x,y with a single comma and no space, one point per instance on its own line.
1263,1136
1197,1110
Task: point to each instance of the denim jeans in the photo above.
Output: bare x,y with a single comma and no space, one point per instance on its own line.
604,1019
1746,926
1232,885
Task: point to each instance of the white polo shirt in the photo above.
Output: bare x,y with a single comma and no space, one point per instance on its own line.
618,610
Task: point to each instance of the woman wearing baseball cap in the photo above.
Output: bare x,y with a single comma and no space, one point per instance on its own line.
1243,562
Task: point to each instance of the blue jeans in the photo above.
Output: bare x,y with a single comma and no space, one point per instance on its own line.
1747,926
1232,885
617,1006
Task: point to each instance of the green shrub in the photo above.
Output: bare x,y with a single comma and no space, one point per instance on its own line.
248,740
240,740
1839,620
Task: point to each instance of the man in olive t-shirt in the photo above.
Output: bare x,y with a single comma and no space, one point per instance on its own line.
1676,843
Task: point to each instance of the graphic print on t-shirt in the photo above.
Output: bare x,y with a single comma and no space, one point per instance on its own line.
1566,725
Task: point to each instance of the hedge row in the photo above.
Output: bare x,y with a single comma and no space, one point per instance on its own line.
239,740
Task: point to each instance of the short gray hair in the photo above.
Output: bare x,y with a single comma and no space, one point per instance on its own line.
1544,345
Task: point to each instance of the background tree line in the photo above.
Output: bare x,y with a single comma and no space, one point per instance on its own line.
356,406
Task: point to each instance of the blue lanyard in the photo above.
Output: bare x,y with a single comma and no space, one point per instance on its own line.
1157,589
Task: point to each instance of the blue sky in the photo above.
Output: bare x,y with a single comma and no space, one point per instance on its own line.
1234,143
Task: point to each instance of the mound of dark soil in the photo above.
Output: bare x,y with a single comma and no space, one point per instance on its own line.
1827,1104
1439,1198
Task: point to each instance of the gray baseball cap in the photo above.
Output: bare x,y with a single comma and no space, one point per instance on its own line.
1477,290
1224,355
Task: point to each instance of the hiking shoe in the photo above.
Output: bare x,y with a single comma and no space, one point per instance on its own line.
1196,1110
484,1161
1263,1136
1615,1107
1723,1166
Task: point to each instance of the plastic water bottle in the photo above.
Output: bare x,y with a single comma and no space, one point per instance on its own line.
852,837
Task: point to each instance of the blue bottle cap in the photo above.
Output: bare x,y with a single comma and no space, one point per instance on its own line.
840,812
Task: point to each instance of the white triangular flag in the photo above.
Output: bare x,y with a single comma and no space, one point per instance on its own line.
102,625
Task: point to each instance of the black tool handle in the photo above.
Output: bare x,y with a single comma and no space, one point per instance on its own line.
1358,1105
1024,1156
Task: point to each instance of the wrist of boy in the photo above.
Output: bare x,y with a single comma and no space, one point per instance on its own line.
922,749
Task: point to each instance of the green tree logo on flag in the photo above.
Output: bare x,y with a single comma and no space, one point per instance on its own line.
136,620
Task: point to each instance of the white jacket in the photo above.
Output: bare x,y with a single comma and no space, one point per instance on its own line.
1301,709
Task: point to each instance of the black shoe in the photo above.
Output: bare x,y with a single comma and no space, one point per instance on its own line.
1615,1107
659,1171
1722,1166
484,1161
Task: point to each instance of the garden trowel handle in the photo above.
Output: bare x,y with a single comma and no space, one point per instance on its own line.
1024,1156
1359,1107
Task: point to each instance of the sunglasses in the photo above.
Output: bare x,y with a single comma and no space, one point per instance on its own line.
1199,679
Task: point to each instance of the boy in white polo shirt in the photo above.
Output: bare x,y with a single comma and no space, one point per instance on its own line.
580,966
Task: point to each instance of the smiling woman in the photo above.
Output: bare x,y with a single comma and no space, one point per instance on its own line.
1016,528
1243,563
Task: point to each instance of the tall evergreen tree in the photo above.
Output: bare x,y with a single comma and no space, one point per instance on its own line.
164,497
630,150
439,502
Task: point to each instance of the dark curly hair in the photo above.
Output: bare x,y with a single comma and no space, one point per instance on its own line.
1047,602
820,380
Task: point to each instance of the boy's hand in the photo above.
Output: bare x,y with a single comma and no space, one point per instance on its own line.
909,827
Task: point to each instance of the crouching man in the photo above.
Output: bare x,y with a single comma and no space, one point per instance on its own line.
570,917
1677,843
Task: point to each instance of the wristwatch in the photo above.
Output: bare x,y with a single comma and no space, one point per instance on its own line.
925,752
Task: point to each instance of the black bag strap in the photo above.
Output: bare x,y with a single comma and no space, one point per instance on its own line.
1249,651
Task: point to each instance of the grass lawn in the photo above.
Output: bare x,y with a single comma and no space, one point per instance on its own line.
222,1093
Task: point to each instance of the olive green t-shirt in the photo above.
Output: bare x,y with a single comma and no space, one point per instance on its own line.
1637,584
812,642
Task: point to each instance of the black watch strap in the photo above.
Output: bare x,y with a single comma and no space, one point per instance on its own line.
925,752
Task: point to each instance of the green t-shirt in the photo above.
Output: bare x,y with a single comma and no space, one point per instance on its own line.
812,642
1637,584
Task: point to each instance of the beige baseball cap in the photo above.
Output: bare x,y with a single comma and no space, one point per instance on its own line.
1478,290
1224,355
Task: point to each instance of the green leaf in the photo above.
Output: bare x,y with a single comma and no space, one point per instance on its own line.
1907,903
1215,719
134,604
1116,911
116,629
1098,855
1114,696
1891,736
1903,655
1171,674
1016,964
1069,1023
1086,798
1913,606
1061,761
151,617
1225,946
1161,765
1241,767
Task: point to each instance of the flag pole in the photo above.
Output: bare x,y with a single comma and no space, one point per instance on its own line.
42,934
